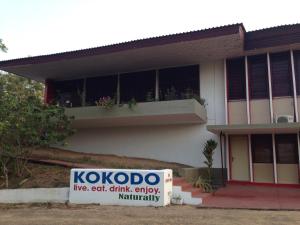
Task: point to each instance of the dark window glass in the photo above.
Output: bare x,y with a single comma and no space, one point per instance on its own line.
258,77
97,87
281,74
297,70
139,85
236,78
286,148
179,82
69,93
262,150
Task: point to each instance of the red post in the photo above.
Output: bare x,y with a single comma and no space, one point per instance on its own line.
49,91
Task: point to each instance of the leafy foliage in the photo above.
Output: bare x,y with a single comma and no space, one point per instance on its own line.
203,184
25,123
208,153
106,102
131,103
3,48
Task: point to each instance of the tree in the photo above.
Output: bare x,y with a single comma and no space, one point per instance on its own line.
26,123
2,46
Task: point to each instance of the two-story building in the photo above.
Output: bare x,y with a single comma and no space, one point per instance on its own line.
250,82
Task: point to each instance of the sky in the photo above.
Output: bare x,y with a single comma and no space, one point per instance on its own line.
38,27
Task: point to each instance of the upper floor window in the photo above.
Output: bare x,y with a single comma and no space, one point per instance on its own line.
102,86
258,77
139,86
179,83
281,74
236,78
69,93
297,70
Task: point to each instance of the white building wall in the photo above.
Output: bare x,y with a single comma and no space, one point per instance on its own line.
172,143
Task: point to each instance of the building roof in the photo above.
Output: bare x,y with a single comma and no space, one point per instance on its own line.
274,36
157,52
140,43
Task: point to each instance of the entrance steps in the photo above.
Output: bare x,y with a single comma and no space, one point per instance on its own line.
189,194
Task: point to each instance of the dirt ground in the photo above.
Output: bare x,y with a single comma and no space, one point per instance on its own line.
41,176
103,161
44,175
118,215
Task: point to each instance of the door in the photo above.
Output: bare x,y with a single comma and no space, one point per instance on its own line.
239,157
287,158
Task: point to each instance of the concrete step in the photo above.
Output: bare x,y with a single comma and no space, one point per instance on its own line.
190,194
178,180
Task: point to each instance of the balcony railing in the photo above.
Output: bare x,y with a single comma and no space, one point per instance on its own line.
185,111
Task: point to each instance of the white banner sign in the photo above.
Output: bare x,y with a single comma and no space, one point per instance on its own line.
121,187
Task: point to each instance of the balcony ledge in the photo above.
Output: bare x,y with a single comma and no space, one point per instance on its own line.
187,111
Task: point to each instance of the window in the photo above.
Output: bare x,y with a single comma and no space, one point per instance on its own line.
69,93
281,74
258,77
97,87
236,78
139,85
179,82
262,150
297,70
286,148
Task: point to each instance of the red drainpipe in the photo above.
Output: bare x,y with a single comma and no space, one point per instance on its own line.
49,91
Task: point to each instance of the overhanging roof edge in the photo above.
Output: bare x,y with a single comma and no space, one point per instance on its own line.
141,43
254,128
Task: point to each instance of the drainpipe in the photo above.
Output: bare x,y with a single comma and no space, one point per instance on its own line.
221,147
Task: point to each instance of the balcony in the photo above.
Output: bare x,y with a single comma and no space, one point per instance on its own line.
187,111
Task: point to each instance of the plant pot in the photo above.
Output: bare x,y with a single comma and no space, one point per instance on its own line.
177,201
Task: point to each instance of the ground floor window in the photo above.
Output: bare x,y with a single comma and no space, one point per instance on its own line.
262,151
286,148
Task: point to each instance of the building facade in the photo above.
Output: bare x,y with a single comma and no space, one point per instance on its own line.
236,87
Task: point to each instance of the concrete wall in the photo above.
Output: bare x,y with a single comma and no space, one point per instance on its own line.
283,106
288,173
173,143
263,172
237,111
32,195
260,111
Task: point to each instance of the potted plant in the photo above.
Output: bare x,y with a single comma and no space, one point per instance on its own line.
177,200
106,102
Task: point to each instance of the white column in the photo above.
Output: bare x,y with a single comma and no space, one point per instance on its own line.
118,90
270,88
274,159
156,85
294,85
83,97
225,93
250,157
298,143
227,157
247,90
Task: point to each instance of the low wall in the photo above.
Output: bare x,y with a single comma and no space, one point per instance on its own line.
34,195
192,174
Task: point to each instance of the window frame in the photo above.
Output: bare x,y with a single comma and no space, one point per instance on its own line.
236,89
260,139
